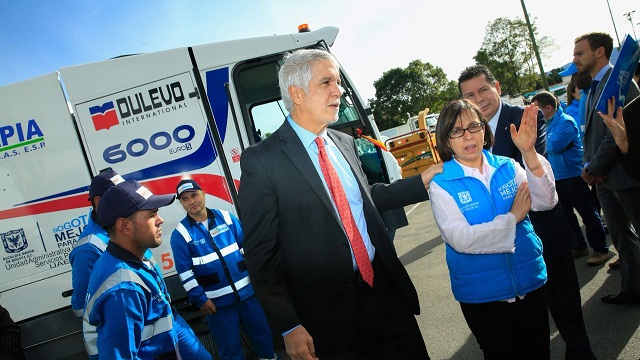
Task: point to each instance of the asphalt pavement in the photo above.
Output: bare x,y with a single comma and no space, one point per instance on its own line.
613,329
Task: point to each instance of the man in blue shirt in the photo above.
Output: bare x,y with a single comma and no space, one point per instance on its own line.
618,193
128,311
564,152
207,247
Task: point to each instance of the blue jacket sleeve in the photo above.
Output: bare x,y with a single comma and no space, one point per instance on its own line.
82,260
123,309
562,134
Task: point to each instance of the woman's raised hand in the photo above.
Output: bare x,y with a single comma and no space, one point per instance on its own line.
525,137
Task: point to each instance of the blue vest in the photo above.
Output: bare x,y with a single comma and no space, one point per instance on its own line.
210,261
128,312
480,278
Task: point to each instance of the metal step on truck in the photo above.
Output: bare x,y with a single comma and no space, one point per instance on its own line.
152,117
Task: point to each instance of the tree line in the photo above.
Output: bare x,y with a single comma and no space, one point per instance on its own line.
506,49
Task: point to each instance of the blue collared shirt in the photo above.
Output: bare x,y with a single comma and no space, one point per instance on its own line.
348,180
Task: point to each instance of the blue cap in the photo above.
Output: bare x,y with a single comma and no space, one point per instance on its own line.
126,198
186,185
572,69
103,181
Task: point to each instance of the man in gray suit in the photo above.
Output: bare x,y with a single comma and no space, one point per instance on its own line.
330,296
619,194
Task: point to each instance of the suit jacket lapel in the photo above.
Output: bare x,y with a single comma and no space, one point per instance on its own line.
353,161
345,149
502,129
295,150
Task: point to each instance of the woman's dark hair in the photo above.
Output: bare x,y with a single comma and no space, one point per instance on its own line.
570,87
447,119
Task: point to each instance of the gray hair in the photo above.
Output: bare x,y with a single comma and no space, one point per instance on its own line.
297,71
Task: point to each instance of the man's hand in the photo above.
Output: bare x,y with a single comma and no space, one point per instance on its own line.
299,344
431,171
209,308
591,179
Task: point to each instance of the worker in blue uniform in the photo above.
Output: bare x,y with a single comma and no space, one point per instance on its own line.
207,247
92,241
128,312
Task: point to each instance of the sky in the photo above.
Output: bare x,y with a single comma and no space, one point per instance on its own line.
40,37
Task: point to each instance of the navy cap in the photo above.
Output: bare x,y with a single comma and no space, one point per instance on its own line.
187,185
103,181
572,69
128,197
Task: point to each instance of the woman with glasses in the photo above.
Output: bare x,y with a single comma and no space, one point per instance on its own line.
480,203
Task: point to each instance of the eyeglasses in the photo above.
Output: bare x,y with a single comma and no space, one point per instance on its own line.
473,128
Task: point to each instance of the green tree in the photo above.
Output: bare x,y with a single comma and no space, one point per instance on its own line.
508,51
408,91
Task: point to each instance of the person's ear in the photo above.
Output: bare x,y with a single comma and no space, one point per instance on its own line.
296,94
124,226
96,201
497,86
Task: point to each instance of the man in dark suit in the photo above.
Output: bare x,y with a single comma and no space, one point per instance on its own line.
325,299
618,193
477,84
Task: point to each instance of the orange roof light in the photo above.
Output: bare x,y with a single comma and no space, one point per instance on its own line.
303,28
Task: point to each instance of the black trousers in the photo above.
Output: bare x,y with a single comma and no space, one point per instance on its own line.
575,193
565,306
517,330
10,343
386,327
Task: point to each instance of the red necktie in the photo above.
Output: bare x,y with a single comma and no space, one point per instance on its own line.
342,204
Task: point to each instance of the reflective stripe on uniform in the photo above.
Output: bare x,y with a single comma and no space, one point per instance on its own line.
228,289
90,331
185,234
227,217
190,284
157,327
201,260
185,275
92,239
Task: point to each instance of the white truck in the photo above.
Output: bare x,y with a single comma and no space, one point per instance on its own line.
152,117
